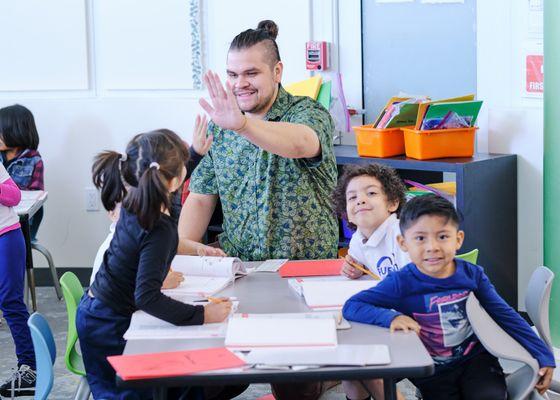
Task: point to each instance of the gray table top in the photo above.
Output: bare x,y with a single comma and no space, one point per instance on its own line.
265,292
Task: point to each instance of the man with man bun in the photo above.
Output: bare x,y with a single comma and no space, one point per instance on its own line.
271,165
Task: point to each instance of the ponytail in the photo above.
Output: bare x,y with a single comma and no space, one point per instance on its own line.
106,176
148,198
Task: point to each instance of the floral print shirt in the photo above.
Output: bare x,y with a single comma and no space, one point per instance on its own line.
274,207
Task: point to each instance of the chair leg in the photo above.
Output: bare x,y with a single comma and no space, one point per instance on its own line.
30,288
82,392
43,250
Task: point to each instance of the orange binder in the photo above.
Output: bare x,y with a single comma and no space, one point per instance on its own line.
311,268
176,363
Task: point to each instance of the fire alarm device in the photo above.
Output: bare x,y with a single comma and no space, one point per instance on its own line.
317,56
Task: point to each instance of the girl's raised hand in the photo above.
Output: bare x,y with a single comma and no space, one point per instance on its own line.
201,143
224,110
172,280
216,312
404,323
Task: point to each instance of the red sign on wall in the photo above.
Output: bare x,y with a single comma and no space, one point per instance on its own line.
535,74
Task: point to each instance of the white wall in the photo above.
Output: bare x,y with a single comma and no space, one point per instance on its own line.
75,123
510,122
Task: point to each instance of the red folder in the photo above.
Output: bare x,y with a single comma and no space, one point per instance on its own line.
311,268
159,365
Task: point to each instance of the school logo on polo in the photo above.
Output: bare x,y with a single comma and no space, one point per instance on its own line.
386,264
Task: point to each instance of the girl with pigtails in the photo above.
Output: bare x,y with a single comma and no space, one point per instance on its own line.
139,256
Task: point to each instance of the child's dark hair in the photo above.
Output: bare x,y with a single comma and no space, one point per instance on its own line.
139,177
266,32
17,128
429,204
393,187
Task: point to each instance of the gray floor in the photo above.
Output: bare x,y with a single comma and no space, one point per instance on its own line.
65,382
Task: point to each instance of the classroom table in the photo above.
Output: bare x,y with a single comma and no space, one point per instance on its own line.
266,292
31,202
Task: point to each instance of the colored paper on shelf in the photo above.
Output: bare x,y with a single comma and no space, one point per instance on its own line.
423,107
468,110
406,116
324,96
391,101
309,87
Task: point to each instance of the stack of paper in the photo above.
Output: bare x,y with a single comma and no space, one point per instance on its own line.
177,363
205,276
246,332
341,323
344,354
332,296
296,283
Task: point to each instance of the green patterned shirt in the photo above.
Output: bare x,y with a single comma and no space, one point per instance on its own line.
274,207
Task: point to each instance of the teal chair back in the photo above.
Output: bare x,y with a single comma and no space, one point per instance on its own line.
471,256
45,354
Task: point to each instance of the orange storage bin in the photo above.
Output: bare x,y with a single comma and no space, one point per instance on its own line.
377,142
439,143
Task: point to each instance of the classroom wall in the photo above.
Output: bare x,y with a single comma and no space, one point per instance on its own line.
78,113
511,122
78,117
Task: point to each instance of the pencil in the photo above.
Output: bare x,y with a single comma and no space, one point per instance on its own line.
219,300
364,270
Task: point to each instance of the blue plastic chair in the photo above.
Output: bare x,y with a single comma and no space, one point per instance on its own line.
45,354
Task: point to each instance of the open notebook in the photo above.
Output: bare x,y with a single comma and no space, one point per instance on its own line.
205,276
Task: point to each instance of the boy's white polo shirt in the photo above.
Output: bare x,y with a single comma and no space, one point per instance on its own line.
381,252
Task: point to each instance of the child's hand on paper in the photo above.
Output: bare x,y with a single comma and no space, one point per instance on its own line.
209,251
404,323
201,143
217,312
172,280
348,270
545,377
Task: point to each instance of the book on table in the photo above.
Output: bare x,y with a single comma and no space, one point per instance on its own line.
331,295
245,331
205,276
343,354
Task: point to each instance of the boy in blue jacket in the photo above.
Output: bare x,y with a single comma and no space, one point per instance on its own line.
429,296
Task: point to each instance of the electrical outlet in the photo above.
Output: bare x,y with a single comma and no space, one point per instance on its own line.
92,199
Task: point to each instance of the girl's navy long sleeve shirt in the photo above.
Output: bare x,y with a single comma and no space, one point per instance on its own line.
134,267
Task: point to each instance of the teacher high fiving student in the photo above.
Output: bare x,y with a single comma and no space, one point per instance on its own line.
271,164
